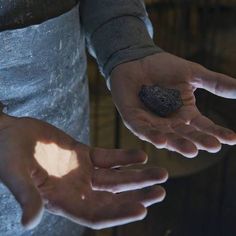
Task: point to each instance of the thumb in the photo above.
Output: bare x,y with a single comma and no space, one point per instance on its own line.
24,191
216,83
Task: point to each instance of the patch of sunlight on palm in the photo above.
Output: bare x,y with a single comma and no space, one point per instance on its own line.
54,159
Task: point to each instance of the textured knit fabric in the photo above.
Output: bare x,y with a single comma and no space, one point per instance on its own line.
117,31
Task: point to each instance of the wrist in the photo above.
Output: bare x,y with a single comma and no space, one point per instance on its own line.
129,39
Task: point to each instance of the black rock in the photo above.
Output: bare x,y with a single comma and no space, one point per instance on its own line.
161,101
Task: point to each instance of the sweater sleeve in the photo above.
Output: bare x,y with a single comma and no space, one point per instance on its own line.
117,31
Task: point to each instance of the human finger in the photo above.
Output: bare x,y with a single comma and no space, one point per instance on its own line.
216,83
123,208
20,184
144,130
116,214
126,180
153,136
202,140
110,158
147,196
161,135
181,145
100,209
224,135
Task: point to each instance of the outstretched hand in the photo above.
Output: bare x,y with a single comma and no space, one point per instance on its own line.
92,193
185,131
44,167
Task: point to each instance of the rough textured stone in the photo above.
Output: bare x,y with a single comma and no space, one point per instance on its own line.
161,101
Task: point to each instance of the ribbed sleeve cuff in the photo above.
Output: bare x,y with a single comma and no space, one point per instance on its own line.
121,40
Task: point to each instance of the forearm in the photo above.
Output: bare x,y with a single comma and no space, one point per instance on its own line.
117,31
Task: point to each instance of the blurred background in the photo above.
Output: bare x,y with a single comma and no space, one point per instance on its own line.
201,193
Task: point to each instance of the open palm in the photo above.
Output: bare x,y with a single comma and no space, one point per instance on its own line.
43,166
92,193
185,131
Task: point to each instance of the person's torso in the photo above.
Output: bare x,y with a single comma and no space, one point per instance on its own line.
43,67
43,75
